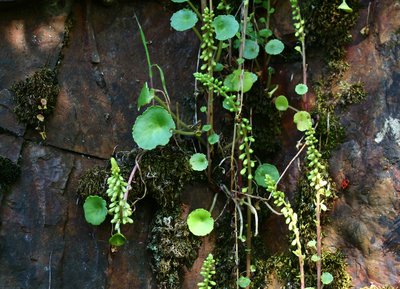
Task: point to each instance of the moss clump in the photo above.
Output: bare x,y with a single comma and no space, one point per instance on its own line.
329,132
9,171
351,93
328,27
93,182
35,98
173,247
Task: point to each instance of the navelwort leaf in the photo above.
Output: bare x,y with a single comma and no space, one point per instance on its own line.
274,47
117,239
326,278
281,103
198,162
200,222
302,119
232,81
95,209
183,19
301,89
153,128
251,49
266,169
225,27
213,138
243,282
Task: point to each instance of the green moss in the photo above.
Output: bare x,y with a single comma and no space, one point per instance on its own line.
35,98
351,93
93,182
173,247
327,27
9,172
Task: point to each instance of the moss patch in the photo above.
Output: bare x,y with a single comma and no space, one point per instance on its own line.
173,247
35,98
93,182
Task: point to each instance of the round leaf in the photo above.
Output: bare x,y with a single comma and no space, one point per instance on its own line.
326,278
153,128
200,222
183,19
274,47
243,282
251,49
225,27
301,89
232,81
213,138
281,103
303,120
198,162
265,33
266,169
95,209
117,239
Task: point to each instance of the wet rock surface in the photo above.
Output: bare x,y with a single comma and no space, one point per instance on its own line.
44,239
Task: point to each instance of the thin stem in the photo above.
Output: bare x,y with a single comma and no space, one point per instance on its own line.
319,238
197,33
189,133
144,42
195,9
290,163
219,51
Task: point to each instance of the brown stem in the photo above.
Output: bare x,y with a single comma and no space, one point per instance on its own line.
319,238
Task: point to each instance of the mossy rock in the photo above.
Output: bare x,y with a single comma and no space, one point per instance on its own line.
35,97
93,182
173,247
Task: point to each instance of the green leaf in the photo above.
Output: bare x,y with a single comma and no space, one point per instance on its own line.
117,239
95,209
200,222
153,128
203,108
213,138
218,67
243,282
232,81
315,258
265,33
301,89
274,47
312,244
266,169
281,103
146,96
225,27
251,49
179,1
345,7
198,162
183,19
302,119
326,278
206,127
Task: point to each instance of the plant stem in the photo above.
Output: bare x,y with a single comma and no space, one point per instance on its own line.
197,33
319,239
182,132
303,54
195,10
218,56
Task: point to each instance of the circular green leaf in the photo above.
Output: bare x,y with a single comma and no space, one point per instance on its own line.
213,138
303,120
198,162
266,169
274,47
225,27
281,103
251,49
265,33
95,209
244,282
232,81
153,128
117,239
301,89
326,278
183,19
200,222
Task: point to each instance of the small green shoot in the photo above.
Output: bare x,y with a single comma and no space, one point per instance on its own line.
281,103
345,7
146,96
117,240
213,138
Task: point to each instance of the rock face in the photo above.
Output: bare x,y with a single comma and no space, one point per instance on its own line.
44,239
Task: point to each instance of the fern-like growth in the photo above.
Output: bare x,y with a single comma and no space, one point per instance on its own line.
207,271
